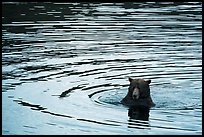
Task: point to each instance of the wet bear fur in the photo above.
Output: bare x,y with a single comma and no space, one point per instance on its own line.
138,94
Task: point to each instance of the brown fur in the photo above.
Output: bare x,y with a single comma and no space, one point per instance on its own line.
144,98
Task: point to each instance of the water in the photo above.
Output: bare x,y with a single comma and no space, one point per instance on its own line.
65,67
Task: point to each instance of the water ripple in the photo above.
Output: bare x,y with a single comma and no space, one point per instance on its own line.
74,60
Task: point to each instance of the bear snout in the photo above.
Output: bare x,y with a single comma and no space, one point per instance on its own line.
135,93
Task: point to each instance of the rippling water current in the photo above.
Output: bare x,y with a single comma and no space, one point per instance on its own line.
65,67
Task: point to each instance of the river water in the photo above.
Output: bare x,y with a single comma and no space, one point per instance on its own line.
65,67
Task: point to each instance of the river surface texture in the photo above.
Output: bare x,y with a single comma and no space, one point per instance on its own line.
65,67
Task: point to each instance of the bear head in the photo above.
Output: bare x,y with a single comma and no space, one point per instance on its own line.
138,93
139,88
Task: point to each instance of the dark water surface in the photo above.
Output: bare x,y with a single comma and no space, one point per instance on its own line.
65,67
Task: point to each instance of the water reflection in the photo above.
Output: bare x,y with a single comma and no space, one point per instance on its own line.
138,117
139,113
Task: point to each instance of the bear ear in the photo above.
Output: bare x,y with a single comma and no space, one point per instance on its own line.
130,79
148,81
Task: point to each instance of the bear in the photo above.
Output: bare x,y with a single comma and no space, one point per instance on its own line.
138,94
